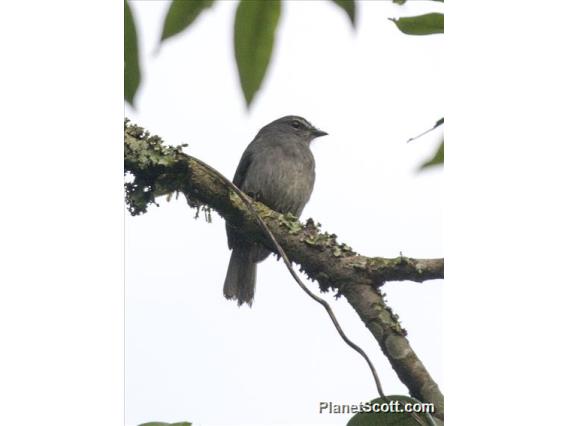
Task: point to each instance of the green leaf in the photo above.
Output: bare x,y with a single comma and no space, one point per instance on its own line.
255,26
390,417
181,15
431,23
166,424
131,61
349,7
437,159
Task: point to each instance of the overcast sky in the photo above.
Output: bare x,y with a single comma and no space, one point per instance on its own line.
192,355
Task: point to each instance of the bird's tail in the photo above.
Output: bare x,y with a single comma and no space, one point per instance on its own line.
241,278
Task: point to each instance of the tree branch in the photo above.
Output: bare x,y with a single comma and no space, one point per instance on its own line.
160,170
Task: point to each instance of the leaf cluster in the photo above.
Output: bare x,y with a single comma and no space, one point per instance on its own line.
254,34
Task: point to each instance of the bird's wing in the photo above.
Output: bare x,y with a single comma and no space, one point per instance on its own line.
242,168
238,180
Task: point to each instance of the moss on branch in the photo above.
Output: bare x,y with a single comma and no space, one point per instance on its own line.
155,170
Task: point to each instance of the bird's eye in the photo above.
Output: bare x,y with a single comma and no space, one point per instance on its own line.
296,124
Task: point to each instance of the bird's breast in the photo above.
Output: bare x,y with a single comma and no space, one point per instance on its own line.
282,178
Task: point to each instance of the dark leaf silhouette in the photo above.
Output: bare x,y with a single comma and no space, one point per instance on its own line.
181,15
349,7
255,26
431,23
437,159
393,415
131,61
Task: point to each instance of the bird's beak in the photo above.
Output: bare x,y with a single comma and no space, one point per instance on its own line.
317,133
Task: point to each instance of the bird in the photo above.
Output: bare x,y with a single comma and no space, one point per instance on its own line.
278,169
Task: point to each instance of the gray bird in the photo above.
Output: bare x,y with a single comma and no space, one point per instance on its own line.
277,169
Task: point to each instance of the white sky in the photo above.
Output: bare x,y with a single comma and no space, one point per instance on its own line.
505,228
192,355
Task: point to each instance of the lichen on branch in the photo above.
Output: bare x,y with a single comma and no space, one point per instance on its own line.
157,170
154,170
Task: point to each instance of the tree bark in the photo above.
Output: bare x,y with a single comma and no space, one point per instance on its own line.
158,170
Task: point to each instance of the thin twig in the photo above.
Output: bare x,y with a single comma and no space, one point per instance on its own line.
438,123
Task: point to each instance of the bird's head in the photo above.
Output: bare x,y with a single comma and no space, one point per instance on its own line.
295,125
